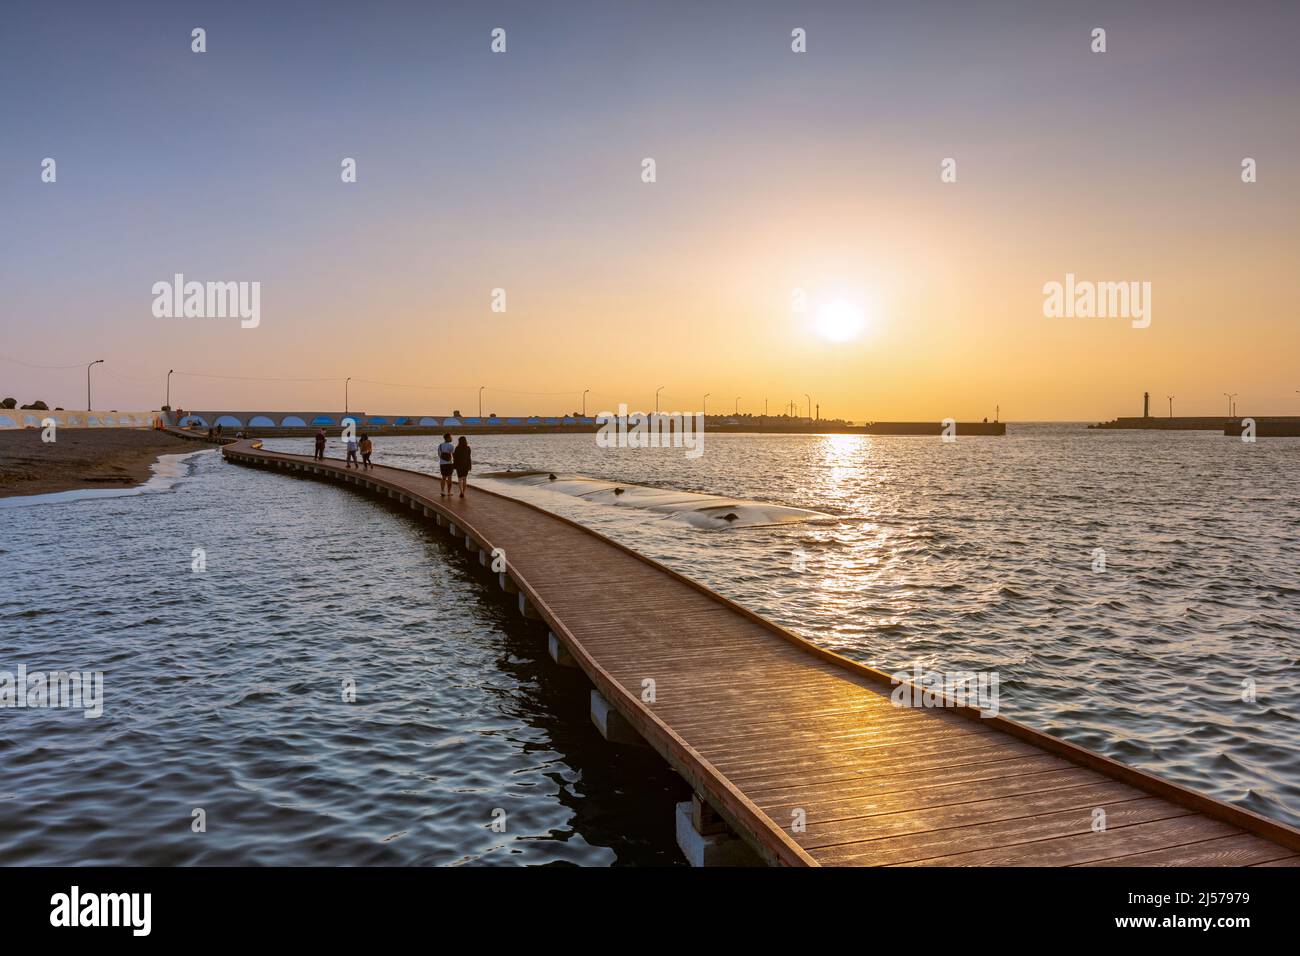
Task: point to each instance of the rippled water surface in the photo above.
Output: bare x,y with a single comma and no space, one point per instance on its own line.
223,687
224,692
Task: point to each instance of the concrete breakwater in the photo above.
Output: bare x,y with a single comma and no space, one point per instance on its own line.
1266,426
1272,427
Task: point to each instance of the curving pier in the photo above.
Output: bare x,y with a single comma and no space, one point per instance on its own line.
797,755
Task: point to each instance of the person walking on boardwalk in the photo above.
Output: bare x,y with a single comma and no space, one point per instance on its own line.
445,464
367,446
461,459
353,445
320,445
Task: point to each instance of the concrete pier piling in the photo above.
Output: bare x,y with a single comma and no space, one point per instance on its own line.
612,725
706,840
526,608
559,653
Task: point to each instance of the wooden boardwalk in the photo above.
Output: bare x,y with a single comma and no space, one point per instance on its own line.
800,751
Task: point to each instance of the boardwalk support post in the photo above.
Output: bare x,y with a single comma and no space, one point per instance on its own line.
718,848
612,725
507,583
526,608
559,653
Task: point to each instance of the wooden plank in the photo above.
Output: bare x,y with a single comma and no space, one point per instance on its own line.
1241,850
1092,847
995,834
962,814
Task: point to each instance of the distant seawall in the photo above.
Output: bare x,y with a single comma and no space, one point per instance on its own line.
32,418
334,419
266,423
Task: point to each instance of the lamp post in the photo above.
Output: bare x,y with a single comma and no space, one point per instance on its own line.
96,362
704,405
584,401
657,391
1229,396
480,400
737,411
345,394
806,395
1171,405
169,387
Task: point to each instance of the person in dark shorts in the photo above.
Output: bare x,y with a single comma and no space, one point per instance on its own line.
367,446
445,464
320,445
460,458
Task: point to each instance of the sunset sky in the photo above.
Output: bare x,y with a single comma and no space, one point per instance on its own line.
776,171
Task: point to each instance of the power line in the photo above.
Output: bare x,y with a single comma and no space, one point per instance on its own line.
256,378
8,358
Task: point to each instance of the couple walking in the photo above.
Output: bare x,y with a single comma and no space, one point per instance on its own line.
453,458
362,444
353,444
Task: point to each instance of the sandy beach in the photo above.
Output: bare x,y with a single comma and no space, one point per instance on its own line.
80,458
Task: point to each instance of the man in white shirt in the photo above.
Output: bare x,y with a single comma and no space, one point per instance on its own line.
445,464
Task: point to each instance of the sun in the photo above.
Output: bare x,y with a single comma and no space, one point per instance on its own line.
840,321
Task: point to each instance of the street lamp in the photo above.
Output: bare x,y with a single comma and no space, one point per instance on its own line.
704,405
584,401
806,395
1171,405
169,387
1229,396
737,411
96,362
480,400
657,391
345,394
